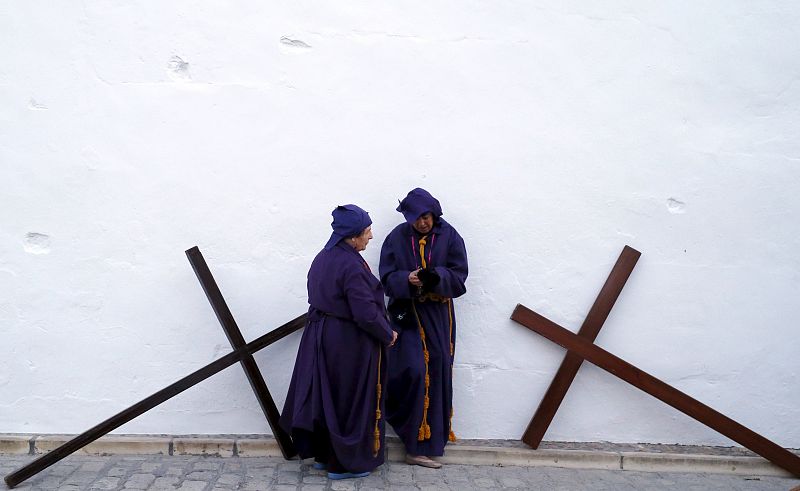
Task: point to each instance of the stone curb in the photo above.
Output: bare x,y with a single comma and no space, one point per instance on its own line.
471,454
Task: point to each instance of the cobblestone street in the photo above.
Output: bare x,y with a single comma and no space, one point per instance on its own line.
168,473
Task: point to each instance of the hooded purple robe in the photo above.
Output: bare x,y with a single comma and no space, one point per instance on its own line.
425,322
334,406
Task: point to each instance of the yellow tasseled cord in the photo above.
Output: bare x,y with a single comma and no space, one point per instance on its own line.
422,243
452,436
377,445
424,429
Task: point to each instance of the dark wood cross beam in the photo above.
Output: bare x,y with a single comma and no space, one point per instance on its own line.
658,389
243,353
589,330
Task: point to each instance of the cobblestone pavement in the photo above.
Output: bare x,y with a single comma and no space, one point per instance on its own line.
156,473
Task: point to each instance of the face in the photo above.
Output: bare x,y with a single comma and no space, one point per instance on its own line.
424,223
360,242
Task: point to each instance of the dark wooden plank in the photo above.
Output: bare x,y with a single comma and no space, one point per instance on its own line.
236,339
658,389
92,434
591,327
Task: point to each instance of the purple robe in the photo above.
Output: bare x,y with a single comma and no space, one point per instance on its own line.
331,405
433,314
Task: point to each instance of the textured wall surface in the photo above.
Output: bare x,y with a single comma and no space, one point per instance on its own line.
552,132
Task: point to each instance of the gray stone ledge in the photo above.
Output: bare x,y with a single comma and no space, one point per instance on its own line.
218,447
577,455
107,445
15,444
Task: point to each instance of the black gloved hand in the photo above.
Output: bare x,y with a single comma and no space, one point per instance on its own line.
429,278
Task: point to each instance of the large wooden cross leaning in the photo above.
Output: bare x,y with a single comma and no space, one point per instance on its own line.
581,347
242,352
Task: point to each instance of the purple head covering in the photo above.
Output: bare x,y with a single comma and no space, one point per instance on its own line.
348,221
417,203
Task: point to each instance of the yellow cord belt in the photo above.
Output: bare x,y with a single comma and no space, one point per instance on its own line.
377,444
424,432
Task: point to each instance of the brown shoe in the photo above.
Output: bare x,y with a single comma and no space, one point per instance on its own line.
423,461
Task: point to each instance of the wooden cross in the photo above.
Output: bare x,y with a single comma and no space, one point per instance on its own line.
242,352
581,347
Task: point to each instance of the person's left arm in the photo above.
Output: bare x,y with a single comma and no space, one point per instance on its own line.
367,314
453,276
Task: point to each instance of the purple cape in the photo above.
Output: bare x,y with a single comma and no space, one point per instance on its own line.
446,255
333,396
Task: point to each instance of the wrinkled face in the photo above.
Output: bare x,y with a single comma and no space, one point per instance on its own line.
424,223
360,242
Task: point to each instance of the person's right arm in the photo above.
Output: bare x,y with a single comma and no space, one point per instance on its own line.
396,280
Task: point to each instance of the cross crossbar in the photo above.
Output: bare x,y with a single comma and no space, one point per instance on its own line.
658,389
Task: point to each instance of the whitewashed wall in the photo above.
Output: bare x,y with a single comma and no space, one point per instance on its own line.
553,133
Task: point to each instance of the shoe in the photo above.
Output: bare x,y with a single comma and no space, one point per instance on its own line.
320,466
423,461
335,476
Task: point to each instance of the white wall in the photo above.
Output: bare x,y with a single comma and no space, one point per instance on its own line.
553,133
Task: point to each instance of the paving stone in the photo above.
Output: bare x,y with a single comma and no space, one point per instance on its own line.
293,466
80,478
512,482
287,477
201,476
344,485
48,482
208,465
232,466
166,482
373,481
192,486
314,479
62,469
260,474
149,466
117,472
92,466
230,479
139,481
106,483
432,486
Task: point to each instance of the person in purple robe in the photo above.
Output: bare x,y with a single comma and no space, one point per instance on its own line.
334,406
423,266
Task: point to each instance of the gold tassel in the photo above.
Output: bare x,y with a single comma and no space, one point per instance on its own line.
450,314
424,432
452,436
377,445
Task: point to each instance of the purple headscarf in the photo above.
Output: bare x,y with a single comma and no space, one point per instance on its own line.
417,203
348,221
